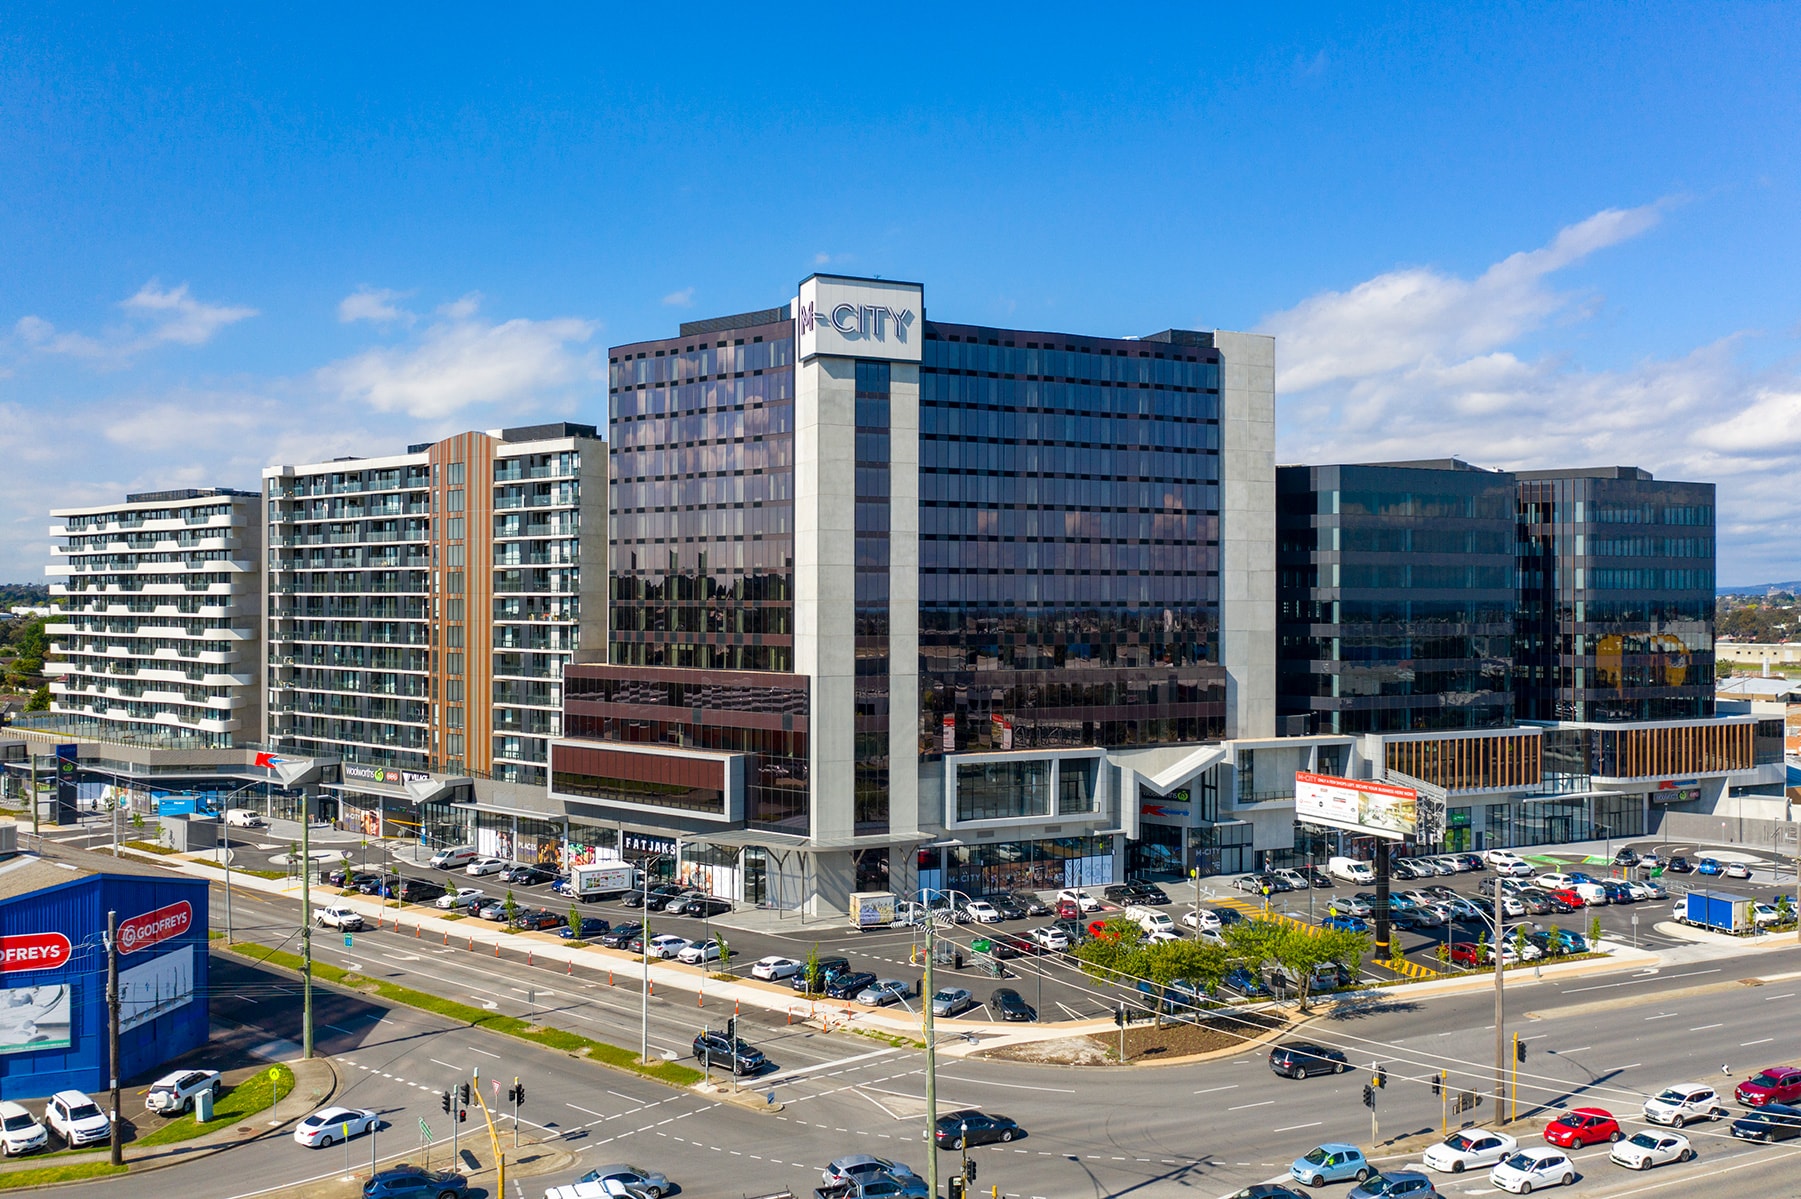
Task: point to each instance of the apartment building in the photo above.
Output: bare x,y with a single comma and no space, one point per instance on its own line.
422,608
159,643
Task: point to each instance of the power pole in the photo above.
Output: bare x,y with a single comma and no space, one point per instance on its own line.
925,1007
306,926
117,1133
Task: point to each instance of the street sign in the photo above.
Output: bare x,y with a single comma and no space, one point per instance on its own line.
424,1128
346,940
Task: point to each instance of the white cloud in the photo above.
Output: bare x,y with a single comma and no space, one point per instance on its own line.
375,304
680,299
1423,364
462,361
153,317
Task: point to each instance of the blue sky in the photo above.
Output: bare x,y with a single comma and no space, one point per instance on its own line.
1529,235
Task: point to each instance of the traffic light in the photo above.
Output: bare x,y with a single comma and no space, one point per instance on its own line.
463,1094
1369,1096
1519,1051
1382,1076
969,1170
1119,1015
1437,1086
444,1102
519,1097
462,1115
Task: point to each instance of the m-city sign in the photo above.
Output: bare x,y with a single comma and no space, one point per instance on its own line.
858,318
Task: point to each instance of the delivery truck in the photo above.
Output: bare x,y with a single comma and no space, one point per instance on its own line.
602,880
871,910
1718,911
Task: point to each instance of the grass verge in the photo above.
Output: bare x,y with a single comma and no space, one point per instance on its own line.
149,847
249,1098
551,1038
44,1175
240,869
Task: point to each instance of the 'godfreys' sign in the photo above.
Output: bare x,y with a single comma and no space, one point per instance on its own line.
858,318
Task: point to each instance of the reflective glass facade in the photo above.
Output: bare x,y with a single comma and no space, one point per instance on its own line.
1395,592
1069,540
1616,596
873,491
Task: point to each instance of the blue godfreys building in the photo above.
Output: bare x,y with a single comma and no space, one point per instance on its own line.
53,1017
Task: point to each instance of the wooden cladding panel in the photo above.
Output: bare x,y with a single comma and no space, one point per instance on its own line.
1470,763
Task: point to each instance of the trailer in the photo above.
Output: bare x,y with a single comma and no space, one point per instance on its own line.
871,910
1719,911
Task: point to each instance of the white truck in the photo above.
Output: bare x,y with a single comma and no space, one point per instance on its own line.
339,917
871,910
601,880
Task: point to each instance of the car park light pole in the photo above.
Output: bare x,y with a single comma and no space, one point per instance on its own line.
644,945
929,1029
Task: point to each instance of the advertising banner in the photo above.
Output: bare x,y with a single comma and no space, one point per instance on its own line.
155,988
68,789
33,1018
1360,805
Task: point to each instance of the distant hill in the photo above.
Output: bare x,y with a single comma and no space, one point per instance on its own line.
1793,588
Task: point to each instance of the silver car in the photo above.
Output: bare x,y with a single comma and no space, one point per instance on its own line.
883,992
951,1001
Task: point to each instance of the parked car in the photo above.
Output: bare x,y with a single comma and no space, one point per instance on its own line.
637,1178
537,920
1331,1162
982,912
739,1056
1298,1059
461,897
1256,884
1241,981
698,953
484,866
1709,866
1316,876
883,992
1583,1126
1679,865
972,1127
1349,905
849,985
1050,937
1625,856
592,929
622,935
774,967
1642,1150
1033,905
20,1131
1618,892
412,1182
1684,1103
1469,1149
952,1001
665,945
1009,1005
1082,899
1201,920
1395,1184
824,971
1007,906
525,875
1294,879
77,1119
1344,924
491,909
1771,1122
1776,1084
1530,1169
334,1125
702,906
1738,870
174,1093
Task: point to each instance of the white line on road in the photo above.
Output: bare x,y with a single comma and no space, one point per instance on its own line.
1210,1090
1663,1016
1014,1086
1243,1106
1634,1066
447,1065
628,1098
595,1114
1767,998
483,1052
1705,1027
1292,1127
1764,1041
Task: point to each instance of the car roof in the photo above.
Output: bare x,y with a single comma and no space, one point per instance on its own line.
72,1097
9,1109
857,1159
1590,1111
1338,1147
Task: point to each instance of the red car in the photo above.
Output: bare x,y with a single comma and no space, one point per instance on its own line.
1570,897
1583,1126
1465,953
1778,1084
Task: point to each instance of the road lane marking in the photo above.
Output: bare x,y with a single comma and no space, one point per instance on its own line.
1293,1127
785,1075
1243,1106
1013,1086
446,1065
585,1110
1210,1090
1705,1027
1764,1041
1663,1016
483,1052
1767,998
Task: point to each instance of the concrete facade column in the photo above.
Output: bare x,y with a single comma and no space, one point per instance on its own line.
1248,531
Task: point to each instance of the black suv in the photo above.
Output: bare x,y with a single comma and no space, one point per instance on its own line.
1009,1005
706,905
525,875
717,1049
1009,907
1136,891
1298,1059
825,970
1033,905
848,986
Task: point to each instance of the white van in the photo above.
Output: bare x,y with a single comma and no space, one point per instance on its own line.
1593,894
1150,920
1350,870
243,818
454,858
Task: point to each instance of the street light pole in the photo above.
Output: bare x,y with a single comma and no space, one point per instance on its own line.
925,1007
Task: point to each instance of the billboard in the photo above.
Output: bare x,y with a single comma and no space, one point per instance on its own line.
33,1018
157,987
1360,805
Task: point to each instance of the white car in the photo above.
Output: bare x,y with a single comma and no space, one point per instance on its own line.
982,912
1050,938
696,952
77,1119
665,946
1685,1101
1496,857
1765,913
1160,937
1639,891
1530,1169
1471,1148
175,1092
339,917
243,818
1294,878
773,967
1558,881
20,1131
460,897
484,866
1082,899
1642,1150
1206,936
1203,920
1518,868
335,1125
1738,870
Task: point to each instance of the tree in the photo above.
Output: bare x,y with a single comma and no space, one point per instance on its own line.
1519,943
1252,943
809,970
575,923
1785,911
1594,929
509,908
1200,965
40,700
1113,953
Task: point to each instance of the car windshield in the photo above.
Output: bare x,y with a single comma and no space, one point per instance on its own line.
18,1123
84,1111
1673,1096
1520,1161
1317,1157
1460,1142
1644,1140
1766,1079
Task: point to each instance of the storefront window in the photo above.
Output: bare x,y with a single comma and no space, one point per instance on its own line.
1046,865
1003,790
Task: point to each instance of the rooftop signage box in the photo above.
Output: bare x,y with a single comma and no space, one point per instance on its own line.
859,318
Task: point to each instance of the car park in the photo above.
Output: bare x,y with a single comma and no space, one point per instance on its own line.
737,1055
622,935
774,967
334,1125
1331,1162
175,1093
1771,1122
1299,1059
1395,1184
1469,1149
593,928
883,992
20,1131
960,1129
1642,1150
698,953
952,1001
646,1182
462,897
77,1119
412,1182
1082,899
1531,1169
1583,1126
860,1166
1683,1104
1776,1084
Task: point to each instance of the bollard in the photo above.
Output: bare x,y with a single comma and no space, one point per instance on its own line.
528,956
471,942
497,949
415,930
609,976
571,969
